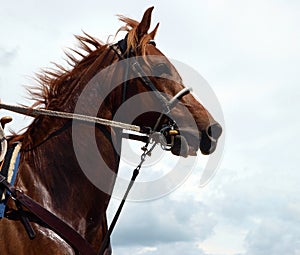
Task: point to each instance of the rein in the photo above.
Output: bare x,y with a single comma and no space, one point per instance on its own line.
67,115
135,173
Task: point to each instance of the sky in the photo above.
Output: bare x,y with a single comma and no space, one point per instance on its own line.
249,53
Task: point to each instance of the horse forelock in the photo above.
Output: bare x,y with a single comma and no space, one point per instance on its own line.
138,45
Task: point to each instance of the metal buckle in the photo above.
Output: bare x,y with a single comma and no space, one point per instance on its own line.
167,136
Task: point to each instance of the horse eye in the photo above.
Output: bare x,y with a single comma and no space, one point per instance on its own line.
161,69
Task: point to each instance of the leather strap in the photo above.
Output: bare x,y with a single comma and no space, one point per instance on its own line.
54,223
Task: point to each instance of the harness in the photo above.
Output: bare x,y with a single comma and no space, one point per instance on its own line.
148,135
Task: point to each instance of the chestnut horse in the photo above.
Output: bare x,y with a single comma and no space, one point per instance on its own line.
50,172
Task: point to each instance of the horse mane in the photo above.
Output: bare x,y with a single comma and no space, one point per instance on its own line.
53,82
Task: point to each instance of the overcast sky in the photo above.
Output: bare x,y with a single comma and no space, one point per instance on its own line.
249,52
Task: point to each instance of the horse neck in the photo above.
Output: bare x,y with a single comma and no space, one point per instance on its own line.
51,175
54,174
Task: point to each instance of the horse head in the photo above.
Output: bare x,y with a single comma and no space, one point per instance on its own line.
195,125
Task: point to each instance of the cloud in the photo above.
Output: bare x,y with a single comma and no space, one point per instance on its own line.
166,249
262,204
163,221
274,236
7,56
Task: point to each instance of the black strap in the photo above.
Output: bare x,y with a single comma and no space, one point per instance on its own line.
120,48
139,138
105,242
122,44
56,224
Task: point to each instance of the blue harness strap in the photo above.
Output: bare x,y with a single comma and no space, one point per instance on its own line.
9,171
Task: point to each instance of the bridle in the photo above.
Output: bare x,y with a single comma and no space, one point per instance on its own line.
120,48
149,134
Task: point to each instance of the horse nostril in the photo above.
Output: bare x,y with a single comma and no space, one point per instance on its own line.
214,131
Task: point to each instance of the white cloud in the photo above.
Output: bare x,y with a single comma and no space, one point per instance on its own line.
257,202
255,28
273,236
145,250
175,248
218,246
7,56
163,221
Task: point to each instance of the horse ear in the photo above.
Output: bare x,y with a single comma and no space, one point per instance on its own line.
153,33
144,25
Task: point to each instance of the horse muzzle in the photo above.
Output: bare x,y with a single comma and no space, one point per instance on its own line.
209,138
178,142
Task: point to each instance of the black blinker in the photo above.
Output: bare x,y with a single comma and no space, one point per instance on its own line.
152,42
